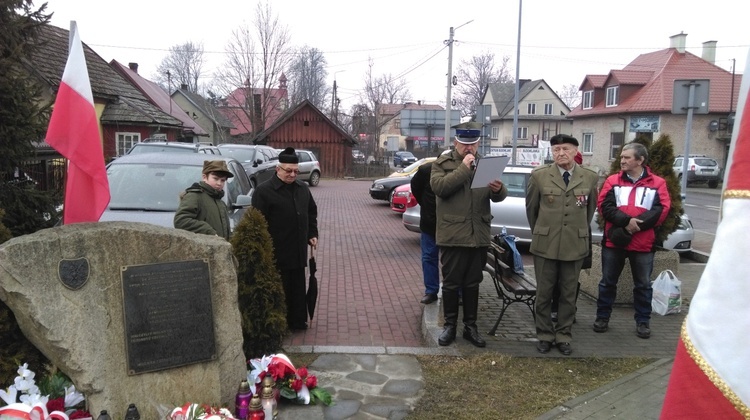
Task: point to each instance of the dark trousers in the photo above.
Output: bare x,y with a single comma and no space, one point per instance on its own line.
462,272
641,265
548,274
295,292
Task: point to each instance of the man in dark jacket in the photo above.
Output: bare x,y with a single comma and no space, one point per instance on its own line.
201,209
632,202
463,230
292,217
420,187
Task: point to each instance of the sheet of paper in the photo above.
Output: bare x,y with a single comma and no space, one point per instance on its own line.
488,170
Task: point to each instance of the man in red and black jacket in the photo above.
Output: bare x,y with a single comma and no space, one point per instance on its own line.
632,202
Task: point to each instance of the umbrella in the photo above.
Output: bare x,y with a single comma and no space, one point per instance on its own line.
312,288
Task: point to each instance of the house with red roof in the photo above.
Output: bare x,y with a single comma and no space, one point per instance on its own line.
638,101
251,110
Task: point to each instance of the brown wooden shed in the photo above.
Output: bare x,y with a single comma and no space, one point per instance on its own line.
306,127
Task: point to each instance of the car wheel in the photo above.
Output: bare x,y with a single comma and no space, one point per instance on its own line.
390,196
314,179
253,184
713,184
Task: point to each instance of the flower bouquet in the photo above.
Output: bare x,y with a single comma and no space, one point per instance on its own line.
34,405
192,411
293,384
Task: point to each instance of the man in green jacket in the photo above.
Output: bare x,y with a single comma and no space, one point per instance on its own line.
560,203
201,209
462,231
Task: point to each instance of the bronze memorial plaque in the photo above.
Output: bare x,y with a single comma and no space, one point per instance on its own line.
168,315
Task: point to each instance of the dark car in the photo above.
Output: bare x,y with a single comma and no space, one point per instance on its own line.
403,159
384,188
259,161
146,187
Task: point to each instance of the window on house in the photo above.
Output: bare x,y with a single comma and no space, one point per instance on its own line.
588,99
588,143
495,132
523,133
615,144
613,95
531,109
547,109
125,141
397,123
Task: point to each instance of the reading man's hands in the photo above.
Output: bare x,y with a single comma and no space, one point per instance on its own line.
496,185
468,159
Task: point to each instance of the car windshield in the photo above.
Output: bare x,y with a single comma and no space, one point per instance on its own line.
154,148
413,166
240,153
515,183
705,162
154,187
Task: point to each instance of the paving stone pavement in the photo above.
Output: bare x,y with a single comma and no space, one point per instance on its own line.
368,319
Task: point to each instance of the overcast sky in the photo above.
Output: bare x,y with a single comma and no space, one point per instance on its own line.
561,42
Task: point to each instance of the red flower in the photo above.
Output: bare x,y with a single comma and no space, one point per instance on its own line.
297,385
80,414
277,370
58,404
302,372
311,382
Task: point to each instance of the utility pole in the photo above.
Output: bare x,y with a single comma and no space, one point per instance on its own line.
448,104
333,99
517,88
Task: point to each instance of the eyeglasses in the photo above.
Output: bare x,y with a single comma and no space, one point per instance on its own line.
290,171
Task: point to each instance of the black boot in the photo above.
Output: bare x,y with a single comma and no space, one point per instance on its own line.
450,313
471,305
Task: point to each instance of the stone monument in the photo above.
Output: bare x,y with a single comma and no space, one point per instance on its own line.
131,312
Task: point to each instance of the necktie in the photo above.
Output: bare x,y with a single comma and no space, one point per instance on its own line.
566,177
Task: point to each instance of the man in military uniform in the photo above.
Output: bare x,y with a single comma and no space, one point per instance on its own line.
463,230
560,203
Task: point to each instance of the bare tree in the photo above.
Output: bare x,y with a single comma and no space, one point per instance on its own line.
250,82
384,89
307,76
569,94
183,66
473,77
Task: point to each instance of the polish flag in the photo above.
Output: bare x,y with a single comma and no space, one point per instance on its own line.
711,373
74,132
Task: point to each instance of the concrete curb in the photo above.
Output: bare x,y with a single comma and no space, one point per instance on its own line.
561,410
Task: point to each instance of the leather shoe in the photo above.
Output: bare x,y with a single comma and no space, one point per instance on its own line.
601,325
302,326
448,335
565,348
642,330
543,346
471,334
428,298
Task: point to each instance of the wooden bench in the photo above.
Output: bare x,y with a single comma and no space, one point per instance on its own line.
511,287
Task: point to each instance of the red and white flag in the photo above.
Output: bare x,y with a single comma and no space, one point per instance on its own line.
74,132
711,373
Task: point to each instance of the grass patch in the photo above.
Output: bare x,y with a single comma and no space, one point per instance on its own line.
494,385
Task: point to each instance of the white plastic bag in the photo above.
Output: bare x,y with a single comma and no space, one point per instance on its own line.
667,297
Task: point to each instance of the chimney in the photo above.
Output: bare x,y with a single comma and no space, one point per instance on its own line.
133,66
419,103
709,51
678,42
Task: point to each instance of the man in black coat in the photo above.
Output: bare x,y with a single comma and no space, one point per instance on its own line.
292,217
420,187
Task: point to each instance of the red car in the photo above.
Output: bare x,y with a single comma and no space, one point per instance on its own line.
403,198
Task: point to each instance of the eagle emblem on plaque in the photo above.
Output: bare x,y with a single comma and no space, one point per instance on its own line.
73,273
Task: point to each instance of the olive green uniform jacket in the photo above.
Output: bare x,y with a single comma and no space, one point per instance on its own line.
463,213
559,215
201,210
